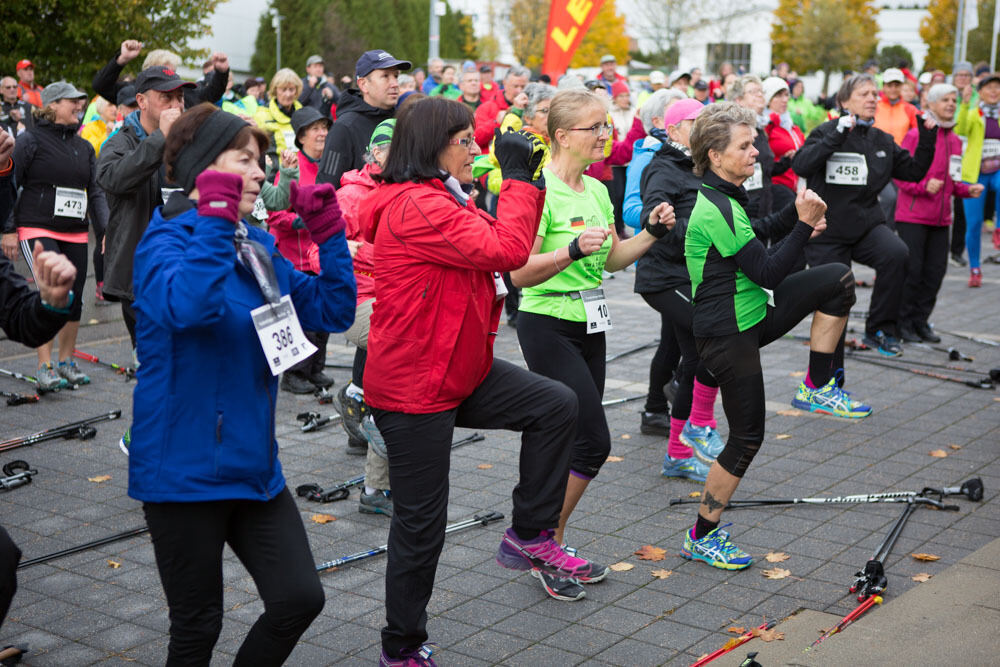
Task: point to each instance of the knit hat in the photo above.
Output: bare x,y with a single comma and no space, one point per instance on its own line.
209,141
771,86
618,88
382,136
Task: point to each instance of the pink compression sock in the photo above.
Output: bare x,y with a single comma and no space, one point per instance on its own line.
703,405
675,449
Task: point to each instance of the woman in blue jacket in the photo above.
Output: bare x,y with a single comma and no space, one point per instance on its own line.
216,309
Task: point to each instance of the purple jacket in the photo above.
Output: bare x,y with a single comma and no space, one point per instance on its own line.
914,204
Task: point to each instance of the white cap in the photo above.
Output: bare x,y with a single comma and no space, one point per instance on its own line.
771,86
892,74
657,77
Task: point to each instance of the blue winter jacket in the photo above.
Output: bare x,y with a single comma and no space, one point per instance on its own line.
203,416
642,153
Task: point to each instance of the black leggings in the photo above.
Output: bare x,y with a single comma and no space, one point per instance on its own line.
564,351
661,367
75,253
10,556
674,305
734,360
269,539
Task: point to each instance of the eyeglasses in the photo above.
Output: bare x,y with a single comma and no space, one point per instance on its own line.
466,142
596,130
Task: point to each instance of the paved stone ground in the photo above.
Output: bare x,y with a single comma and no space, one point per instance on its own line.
78,610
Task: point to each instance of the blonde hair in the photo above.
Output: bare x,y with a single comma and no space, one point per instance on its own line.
284,77
713,129
566,108
161,58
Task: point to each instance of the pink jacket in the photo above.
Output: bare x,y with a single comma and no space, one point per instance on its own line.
295,245
355,186
914,204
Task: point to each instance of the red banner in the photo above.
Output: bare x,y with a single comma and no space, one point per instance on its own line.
569,21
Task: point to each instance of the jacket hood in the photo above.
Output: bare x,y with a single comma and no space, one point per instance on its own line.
132,120
646,145
361,177
351,100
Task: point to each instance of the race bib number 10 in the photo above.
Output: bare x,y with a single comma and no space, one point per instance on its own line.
596,307
847,169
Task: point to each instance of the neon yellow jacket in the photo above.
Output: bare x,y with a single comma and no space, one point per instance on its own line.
972,126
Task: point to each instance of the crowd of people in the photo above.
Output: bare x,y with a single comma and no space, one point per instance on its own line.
238,225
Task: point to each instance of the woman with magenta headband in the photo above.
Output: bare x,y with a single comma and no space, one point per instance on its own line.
217,318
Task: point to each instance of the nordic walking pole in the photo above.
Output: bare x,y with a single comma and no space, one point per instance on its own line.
633,350
80,429
19,399
83,547
974,339
733,644
856,613
128,372
971,489
616,401
984,383
478,520
16,473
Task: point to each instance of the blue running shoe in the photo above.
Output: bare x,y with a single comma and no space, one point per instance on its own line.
716,550
691,468
829,400
704,440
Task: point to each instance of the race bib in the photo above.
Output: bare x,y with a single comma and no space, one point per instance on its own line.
290,140
755,182
770,296
71,203
259,210
281,335
955,167
847,169
596,307
991,149
500,285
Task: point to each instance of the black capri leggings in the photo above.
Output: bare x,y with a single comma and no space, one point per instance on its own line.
76,253
564,351
734,360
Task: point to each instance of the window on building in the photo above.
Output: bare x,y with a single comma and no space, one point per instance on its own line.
737,54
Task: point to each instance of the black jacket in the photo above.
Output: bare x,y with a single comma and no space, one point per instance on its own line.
853,210
313,97
107,85
130,171
50,156
669,178
349,136
8,123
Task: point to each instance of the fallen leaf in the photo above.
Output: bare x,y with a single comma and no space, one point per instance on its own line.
626,436
997,399
701,657
789,413
796,374
484,466
926,557
615,459
776,556
99,479
694,494
649,552
938,453
922,577
323,518
736,629
769,635
621,567
113,564
776,573
92,321
782,436
955,447
662,574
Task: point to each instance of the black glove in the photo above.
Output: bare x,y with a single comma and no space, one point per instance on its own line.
520,156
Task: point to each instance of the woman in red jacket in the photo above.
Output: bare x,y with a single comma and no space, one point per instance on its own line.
923,215
783,135
430,368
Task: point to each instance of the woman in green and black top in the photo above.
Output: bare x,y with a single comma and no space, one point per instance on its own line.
563,313
736,312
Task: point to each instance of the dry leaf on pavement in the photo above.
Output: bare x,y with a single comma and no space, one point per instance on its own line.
113,564
662,574
649,552
776,573
790,413
626,436
796,374
776,556
736,629
955,447
782,436
938,453
323,518
768,635
621,567
615,459
922,577
484,466
99,479
694,494
926,557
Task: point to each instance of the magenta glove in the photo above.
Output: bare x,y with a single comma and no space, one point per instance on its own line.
318,207
219,195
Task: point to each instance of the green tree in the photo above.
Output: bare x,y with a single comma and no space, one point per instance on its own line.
73,39
824,35
979,39
937,29
893,55
529,20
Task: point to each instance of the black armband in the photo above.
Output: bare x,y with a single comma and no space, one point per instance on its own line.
574,249
658,230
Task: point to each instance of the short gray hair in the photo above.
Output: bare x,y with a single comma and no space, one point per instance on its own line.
537,92
713,129
939,90
571,82
738,90
655,106
852,82
517,70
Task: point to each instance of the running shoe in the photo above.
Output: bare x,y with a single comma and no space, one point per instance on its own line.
126,441
975,278
295,383
69,371
379,502
957,260
374,436
704,440
689,468
321,380
357,446
543,553
926,332
716,550
352,409
655,423
829,400
908,333
597,571
560,588
420,657
887,346
49,379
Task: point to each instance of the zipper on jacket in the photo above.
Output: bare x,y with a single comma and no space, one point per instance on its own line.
426,287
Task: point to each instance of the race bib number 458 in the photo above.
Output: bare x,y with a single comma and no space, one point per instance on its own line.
847,169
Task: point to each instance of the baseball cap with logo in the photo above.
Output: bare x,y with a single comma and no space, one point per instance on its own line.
378,59
23,64
893,74
159,78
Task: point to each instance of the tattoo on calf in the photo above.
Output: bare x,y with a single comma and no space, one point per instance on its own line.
711,502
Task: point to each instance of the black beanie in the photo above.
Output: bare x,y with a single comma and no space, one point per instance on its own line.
209,141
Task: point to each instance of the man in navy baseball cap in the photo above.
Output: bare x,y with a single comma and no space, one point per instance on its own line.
378,59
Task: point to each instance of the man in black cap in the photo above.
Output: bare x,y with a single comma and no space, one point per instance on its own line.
359,111
130,171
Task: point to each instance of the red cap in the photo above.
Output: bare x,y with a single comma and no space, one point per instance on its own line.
24,64
618,87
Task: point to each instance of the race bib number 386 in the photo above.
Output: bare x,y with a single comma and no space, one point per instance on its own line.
281,335
847,169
